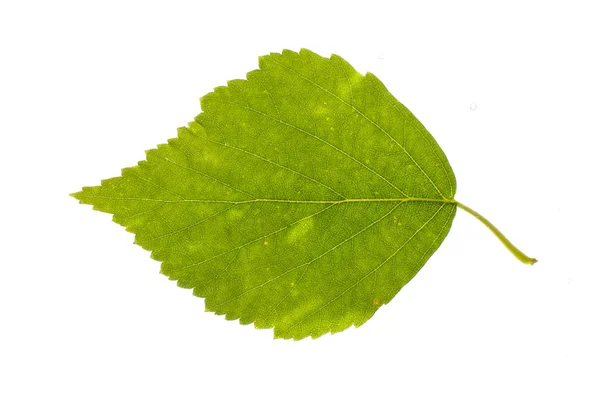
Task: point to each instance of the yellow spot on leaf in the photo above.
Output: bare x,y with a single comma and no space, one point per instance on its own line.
300,230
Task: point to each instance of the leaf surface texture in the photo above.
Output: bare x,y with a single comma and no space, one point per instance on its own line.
301,199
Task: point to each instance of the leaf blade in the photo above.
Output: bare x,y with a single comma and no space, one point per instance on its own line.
256,208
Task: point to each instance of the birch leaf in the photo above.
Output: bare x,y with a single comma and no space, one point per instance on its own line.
302,198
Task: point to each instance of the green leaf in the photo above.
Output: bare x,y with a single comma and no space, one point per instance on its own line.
301,199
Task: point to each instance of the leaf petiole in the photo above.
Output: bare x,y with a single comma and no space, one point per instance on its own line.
513,249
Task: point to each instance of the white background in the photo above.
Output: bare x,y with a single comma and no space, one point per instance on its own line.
86,87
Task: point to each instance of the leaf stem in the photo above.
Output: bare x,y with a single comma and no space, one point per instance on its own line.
513,249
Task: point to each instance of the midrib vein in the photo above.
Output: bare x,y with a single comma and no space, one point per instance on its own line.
290,201
343,201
